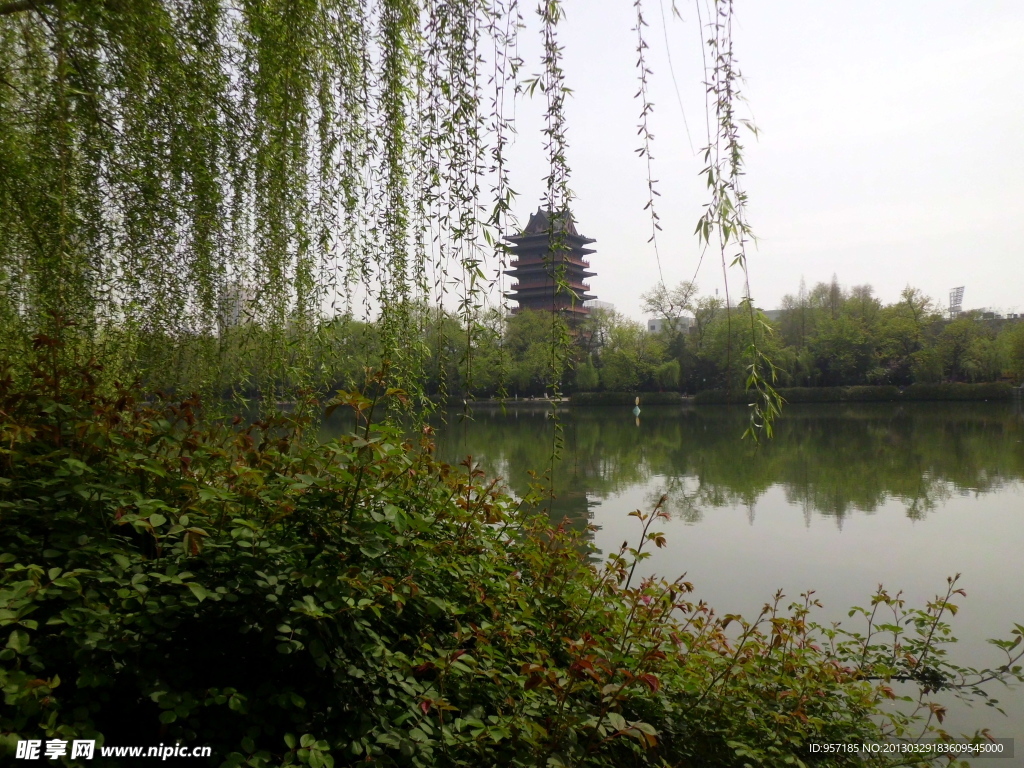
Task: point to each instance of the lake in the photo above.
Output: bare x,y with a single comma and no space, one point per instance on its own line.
844,498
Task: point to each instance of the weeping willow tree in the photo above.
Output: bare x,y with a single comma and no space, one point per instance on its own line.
187,185
171,170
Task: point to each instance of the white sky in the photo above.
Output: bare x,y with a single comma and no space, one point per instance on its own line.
890,149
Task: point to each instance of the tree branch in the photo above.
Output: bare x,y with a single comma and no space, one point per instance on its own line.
17,6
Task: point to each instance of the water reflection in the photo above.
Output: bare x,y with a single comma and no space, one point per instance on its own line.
748,522
829,460
834,503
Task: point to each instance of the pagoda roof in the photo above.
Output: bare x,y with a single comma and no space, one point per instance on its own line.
543,223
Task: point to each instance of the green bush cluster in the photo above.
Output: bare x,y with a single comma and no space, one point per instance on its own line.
995,390
168,576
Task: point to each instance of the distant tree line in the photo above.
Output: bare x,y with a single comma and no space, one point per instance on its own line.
827,336
823,337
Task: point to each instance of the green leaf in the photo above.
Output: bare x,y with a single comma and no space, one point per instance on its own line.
18,641
645,727
198,590
617,721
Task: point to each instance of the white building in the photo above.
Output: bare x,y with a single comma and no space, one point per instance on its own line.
658,324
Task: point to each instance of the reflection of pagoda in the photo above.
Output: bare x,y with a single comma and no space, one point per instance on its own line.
547,247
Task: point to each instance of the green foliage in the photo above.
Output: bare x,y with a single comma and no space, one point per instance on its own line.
630,357
191,191
532,342
966,350
725,216
833,337
291,602
519,354
666,375
1013,349
587,377
926,366
729,345
842,351
954,391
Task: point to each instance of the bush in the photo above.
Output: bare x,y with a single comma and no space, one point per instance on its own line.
996,390
873,394
721,397
813,394
170,577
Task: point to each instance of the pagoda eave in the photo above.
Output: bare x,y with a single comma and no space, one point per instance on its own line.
543,238
547,300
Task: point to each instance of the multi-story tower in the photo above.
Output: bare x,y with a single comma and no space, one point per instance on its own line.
547,252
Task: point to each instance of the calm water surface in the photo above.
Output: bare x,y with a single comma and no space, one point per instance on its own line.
846,497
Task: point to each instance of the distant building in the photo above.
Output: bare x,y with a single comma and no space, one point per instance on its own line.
550,246
607,306
659,324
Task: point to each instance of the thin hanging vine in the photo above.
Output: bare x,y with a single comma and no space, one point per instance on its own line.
208,195
724,220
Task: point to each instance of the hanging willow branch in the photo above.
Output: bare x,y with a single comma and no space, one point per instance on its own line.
193,184
558,200
644,131
725,217
205,193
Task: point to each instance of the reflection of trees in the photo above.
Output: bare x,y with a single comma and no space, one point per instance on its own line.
599,456
831,459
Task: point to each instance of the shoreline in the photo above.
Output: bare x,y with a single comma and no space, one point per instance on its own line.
948,392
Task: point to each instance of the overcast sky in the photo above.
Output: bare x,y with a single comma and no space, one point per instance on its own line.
890,149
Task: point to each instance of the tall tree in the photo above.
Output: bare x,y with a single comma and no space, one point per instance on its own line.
168,166
673,305
160,157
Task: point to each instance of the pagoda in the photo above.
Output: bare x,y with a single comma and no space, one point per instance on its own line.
548,246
